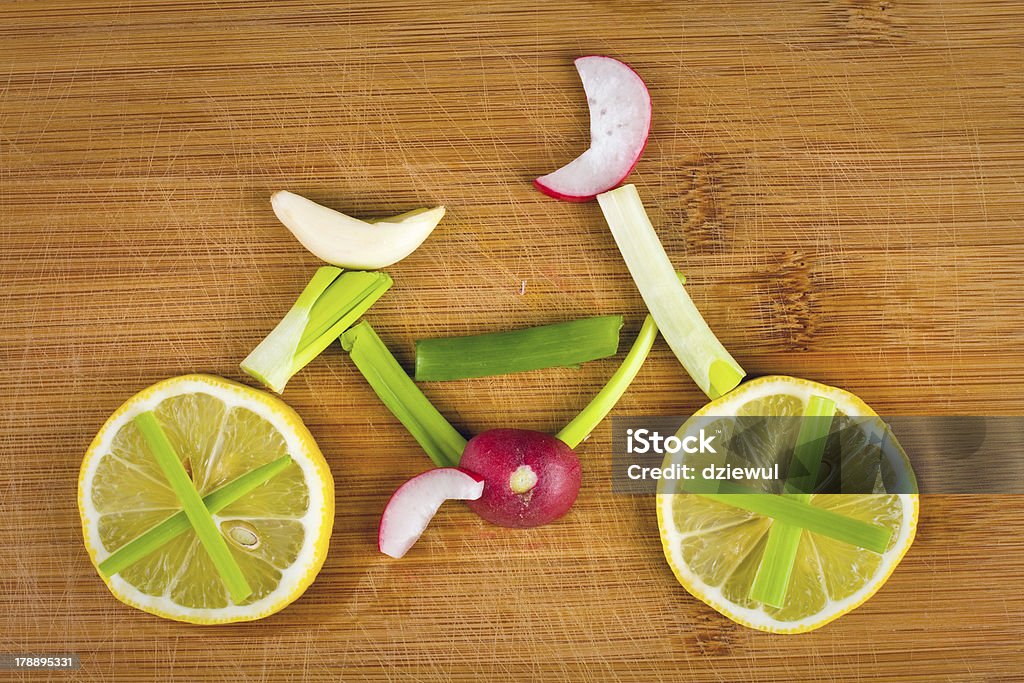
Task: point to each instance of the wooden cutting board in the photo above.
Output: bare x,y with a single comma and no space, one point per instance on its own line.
842,182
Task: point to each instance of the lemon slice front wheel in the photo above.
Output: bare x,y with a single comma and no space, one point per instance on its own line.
715,549
277,533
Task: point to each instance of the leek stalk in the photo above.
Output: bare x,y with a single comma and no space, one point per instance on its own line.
443,444
328,305
564,344
599,407
688,335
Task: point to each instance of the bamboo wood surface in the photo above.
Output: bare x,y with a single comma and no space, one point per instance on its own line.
841,181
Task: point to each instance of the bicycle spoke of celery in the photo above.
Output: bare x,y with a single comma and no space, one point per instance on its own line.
584,423
692,341
400,394
559,345
771,582
815,424
328,305
155,538
786,510
198,516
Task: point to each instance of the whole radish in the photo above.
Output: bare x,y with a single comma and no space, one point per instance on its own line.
530,478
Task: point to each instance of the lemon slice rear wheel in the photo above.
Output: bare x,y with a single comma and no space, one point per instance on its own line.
278,533
714,549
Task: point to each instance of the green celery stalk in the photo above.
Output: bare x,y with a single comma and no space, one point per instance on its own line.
564,344
328,305
694,344
817,520
177,524
598,408
400,394
771,582
206,529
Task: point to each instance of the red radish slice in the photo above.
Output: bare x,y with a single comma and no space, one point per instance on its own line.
620,119
416,501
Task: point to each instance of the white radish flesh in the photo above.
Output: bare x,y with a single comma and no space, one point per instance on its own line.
416,501
620,120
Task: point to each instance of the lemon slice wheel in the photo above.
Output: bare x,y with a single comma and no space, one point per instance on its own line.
278,533
714,549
